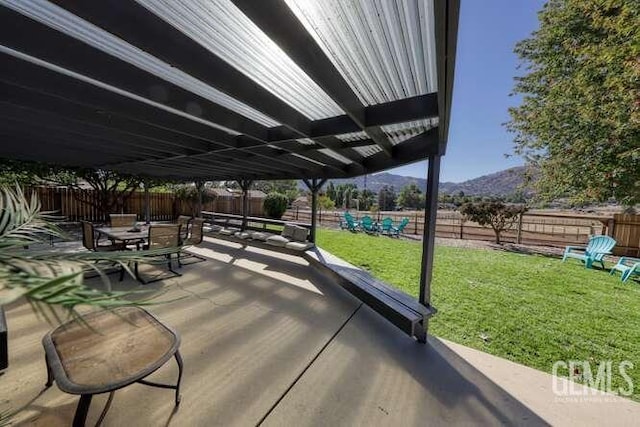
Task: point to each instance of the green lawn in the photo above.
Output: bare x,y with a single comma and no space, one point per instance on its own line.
530,309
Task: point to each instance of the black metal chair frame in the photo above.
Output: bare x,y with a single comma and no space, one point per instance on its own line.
188,255
55,371
165,258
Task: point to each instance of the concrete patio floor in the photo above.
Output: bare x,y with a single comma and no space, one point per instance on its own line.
268,339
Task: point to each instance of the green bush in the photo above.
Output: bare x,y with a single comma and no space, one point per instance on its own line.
275,205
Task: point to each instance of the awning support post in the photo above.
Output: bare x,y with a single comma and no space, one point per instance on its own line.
147,203
314,186
429,234
200,189
244,185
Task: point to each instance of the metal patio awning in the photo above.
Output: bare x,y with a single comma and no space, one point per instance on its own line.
227,89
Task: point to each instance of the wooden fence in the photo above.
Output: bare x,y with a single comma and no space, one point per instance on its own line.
626,230
163,206
545,229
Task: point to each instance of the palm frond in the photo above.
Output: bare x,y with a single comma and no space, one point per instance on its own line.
47,278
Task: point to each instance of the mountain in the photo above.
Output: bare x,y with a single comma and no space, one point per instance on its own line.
500,183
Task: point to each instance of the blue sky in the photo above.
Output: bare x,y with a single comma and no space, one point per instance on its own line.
485,67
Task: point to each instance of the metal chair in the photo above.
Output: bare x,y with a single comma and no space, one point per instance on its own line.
90,242
122,220
183,221
161,237
195,236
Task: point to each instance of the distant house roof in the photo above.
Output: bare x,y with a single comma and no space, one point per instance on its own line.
230,192
301,202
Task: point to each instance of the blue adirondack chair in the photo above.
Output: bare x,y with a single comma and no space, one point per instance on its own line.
351,224
367,224
596,249
627,266
395,231
386,225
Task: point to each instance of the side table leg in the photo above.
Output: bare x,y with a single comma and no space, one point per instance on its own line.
180,367
49,373
82,410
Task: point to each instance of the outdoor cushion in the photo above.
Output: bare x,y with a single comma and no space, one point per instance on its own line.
288,230
279,241
299,246
228,231
300,234
259,235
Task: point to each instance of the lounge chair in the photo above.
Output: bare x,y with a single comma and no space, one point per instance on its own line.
596,249
396,231
627,266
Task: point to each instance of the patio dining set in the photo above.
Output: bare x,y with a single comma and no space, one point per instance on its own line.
124,233
369,226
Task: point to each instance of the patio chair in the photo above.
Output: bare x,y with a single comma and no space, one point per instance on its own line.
596,249
367,224
161,237
184,221
386,225
194,238
90,242
396,231
122,220
627,266
352,224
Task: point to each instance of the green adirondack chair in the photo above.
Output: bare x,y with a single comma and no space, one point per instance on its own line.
367,224
395,231
351,224
596,249
386,225
627,266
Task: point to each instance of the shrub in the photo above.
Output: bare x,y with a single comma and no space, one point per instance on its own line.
275,205
496,214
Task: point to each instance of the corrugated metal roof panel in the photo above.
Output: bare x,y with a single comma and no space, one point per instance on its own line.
335,155
68,23
368,150
385,49
220,27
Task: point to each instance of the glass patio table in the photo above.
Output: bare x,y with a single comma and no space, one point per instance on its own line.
106,351
125,234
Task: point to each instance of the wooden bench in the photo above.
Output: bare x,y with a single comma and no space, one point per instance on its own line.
401,309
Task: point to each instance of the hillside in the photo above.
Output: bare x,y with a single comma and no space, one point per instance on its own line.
501,183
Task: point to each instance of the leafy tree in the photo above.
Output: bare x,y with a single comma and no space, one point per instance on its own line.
387,198
275,205
411,197
496,214
189,194
331,192
579,119
366,198
325,203
288,187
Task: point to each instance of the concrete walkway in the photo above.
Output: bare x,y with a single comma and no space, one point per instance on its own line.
267,339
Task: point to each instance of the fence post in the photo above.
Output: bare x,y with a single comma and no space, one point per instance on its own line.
611,224
519,235
415,228
297,210
461,228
